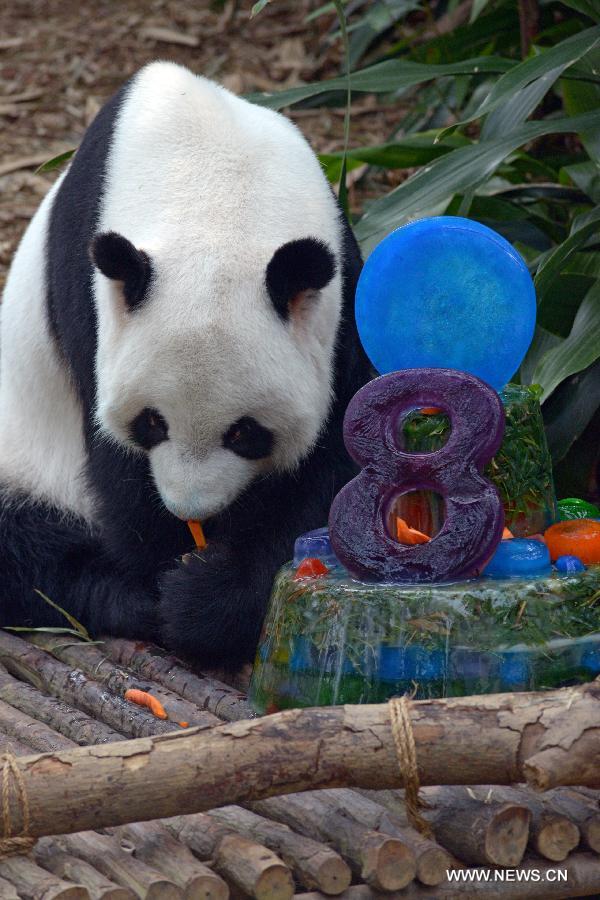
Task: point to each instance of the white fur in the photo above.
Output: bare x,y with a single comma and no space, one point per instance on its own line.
210,186
42,450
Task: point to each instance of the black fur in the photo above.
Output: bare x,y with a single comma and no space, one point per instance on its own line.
249,439
118,259
123,579
304,265
149,429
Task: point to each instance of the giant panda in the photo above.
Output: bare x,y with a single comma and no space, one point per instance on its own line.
177,342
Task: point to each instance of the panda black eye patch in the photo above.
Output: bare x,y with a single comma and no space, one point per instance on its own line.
149,429
249,439
303,265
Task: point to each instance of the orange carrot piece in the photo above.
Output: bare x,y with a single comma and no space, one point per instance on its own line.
408,535
197,533
184,724
430,410
143,698
507,535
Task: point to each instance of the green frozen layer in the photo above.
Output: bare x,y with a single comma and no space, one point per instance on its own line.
334,640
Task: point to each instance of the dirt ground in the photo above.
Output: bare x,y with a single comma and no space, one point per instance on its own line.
60,60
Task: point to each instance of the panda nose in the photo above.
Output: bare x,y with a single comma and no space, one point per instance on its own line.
249,439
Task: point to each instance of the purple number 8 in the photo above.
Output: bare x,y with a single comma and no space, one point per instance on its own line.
474,516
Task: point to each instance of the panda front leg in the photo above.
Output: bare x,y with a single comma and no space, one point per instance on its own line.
212,606
44,551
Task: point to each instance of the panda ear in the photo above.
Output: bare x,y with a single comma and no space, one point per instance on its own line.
298,270
119,260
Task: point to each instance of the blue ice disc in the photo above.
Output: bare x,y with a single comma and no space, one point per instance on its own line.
519,558
446,292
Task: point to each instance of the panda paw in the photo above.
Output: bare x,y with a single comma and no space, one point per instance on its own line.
202,610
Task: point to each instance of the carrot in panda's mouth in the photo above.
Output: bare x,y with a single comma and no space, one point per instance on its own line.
197,533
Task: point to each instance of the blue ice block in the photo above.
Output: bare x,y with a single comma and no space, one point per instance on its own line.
315,545
569,564
446,292
519,558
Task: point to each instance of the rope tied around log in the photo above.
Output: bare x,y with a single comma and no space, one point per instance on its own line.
13,785
404,741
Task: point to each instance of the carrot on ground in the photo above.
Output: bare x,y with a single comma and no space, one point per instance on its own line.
143,698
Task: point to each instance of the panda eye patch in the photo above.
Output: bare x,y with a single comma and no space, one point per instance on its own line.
249,439
149,429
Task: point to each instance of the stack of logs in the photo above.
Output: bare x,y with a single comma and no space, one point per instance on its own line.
57,693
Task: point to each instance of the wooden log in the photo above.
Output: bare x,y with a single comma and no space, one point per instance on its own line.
582,808
582,880
50,857
36,735
552,834
155,845
34,883
104,854
48,674
472,740
10,745
432,860
478,831
60,716
7,890
383,862
252,868
314,864
157,665
93,662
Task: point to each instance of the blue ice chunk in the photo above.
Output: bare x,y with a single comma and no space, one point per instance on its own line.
446,292
519,558
569,564
315,545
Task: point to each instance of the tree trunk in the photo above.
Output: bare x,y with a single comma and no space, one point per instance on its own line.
16,724
529,23
471,740
153,663
70,722
48,674
105,855
552,834
431,859
582,871
34,883
478,832
382,861
252,868
155,845
48,855
315,865
92,661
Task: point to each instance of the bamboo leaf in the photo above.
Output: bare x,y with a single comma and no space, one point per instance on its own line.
48,630
554,60
556,261
258,7
455,172
570,409
79,629
587,7
55,162
383,78
509,115
477,9
576,352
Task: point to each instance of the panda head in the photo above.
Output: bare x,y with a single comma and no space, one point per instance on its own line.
217,365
